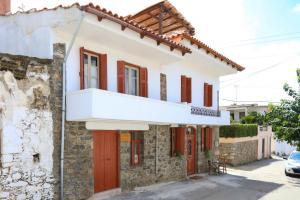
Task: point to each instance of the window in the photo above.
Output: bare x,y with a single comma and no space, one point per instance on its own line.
208,95
137,148
186,89
93,69
131,80
232,116
177,141
242,114
206,139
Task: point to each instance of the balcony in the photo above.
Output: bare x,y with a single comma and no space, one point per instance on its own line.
102,109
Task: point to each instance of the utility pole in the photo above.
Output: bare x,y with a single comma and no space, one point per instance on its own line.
236,94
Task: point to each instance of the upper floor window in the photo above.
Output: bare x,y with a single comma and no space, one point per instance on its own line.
186,89
132,79
93,69
208,95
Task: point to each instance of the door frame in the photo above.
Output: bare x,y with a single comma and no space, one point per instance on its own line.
194,130
118,158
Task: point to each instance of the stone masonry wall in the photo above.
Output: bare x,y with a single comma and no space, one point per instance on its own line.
26,129
78,169
240,152
157,165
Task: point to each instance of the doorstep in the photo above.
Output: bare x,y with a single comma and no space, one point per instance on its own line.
106,194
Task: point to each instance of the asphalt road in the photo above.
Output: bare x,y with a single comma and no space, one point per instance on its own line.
259,180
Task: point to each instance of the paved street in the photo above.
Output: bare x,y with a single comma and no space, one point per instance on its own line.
260,180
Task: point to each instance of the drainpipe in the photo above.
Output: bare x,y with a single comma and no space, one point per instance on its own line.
63,112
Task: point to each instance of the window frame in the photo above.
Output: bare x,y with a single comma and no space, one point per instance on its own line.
87,78
134,67
102,68
133,143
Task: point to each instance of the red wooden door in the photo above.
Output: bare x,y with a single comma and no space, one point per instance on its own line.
191,150
106,160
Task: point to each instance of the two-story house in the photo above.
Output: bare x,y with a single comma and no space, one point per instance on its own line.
125,101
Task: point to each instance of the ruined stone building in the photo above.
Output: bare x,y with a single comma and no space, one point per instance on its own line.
91,101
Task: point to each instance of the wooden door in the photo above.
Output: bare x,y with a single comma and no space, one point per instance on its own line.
106,160
191,150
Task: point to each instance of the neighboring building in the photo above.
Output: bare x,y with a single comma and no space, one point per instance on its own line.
242,150
237,112
265,132
141,100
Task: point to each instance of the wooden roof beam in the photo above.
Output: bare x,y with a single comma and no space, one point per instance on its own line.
172,29
167,26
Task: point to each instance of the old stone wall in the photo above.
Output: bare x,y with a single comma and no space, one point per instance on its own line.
26,129
157,165
240,152
78,168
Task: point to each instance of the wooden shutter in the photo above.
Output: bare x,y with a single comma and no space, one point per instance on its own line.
103,72
189,90
183,89
206,90
121,76
210,96
81,71
180,140
211,138
143,82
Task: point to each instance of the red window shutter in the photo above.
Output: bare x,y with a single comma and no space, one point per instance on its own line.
143,82
81,71
189,89
183,89
103,72
210,96
180,139
121,76
206,91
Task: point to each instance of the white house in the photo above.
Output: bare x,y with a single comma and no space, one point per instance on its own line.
142,95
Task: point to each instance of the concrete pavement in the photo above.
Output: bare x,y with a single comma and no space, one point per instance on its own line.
259,180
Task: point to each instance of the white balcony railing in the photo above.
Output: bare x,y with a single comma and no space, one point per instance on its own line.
92,105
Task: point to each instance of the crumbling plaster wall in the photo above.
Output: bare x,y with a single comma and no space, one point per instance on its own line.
26,129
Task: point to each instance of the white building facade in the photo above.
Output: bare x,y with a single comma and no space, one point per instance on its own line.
127,85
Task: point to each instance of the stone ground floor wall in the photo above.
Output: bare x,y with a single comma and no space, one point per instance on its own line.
240,152
157,165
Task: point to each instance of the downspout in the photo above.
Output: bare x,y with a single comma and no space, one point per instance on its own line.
63,112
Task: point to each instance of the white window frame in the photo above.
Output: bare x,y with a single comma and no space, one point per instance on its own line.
130,79
87,76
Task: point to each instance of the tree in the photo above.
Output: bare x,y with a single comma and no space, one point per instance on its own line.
285,117
254,118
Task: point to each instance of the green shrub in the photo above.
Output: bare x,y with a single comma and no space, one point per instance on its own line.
238,130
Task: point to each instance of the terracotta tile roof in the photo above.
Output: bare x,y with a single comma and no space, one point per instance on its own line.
125,22
102,13
209,50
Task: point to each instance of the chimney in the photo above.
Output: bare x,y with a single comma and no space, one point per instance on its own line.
4,7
